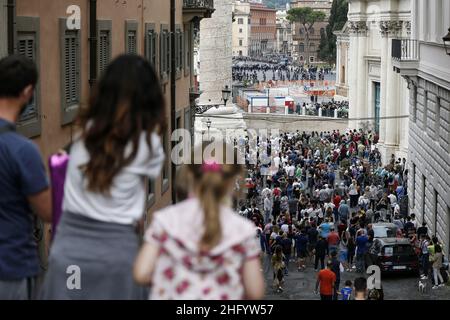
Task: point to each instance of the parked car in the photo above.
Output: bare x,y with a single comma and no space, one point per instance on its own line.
394,255
384,230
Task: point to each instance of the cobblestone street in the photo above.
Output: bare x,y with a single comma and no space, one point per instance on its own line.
300,285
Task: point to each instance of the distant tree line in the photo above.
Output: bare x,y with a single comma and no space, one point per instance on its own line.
275,4
338,18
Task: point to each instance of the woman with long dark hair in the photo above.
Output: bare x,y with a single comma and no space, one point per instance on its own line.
118,146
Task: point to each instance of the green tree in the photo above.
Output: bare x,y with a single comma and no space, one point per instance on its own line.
275,4
307,17
338,18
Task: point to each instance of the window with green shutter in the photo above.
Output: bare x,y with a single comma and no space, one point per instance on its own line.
187,50
179,51
165,55
166,167
70,72
104,45
131,45
151,44
27,44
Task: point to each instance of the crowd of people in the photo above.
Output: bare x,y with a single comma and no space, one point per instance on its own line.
313,202
316,202
263,72
196,249
328,108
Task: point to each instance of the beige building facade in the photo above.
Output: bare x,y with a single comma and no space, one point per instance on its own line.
301,53
69,62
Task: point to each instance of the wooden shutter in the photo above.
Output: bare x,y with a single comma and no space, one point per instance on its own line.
70,72
132,46
26,46
71,68
104,44
104,50
27,31
151,44
131,38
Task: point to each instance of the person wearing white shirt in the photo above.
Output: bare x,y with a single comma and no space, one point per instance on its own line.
268,205
290,171
276,161
116,152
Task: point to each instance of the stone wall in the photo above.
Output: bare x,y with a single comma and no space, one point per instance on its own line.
429,155
216,53
293,123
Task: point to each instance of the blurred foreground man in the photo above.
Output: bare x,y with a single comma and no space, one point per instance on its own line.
24,188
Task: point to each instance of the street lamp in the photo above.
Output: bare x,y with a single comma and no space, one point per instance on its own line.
208,124
447,42
226,94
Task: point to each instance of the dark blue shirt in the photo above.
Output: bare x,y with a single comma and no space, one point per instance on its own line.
301,241
361,244
22,174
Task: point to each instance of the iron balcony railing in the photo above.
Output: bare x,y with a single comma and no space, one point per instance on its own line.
405,50
198,4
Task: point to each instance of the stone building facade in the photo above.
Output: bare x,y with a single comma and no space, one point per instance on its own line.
378,96
342,63
241,28
284,42
301,53
423,62
263,30
64,59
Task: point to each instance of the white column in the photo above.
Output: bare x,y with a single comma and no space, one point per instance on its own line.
216,53
393,103
353,79
362,111
383,84
338,62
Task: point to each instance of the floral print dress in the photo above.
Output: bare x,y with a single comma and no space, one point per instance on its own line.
182,271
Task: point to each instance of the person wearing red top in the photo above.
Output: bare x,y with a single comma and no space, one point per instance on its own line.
333,240
326,279
337,202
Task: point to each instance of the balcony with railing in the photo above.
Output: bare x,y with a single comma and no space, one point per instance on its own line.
405,55
197,9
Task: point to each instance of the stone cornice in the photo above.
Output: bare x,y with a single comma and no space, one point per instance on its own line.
358,28
391,28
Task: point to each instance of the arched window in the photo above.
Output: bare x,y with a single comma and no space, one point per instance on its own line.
300,31
322,31
311,31
301,58
301,47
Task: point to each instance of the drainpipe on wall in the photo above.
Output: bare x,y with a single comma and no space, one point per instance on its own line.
11,8
92,42
173,95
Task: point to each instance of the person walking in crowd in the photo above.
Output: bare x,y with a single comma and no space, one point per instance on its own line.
346,291
24,186
437,265
326,280
220,263
320,252
360,288
278,266
118,146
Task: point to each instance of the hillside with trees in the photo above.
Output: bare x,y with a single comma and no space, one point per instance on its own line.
275,4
